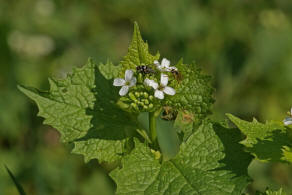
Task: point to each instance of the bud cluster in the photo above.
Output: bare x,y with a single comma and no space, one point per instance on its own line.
143,89
139,101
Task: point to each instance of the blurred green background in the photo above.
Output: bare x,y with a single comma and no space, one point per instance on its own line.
245,45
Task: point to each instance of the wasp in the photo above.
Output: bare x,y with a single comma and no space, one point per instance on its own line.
169,114
145,69
177,75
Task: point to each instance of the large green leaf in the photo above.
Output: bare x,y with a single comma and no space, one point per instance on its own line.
83,109
65,105
205,164
267,142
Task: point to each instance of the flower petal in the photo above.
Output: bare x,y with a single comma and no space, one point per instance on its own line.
124,90
119,82
133,82
161,68
129,75
156,62
287,121
163,79
151,83
169,90
165,63
159,94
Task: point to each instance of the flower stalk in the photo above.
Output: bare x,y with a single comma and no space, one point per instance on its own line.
152,127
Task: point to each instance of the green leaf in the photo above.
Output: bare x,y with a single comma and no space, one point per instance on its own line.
83,109
16,183
104,150
194,93
184,124
200,167
265,141
64,106
279,192
109,70
287,154
138,52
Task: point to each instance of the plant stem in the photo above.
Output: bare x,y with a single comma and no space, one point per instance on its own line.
152,126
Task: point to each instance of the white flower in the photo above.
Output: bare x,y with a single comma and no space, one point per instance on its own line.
161,89
288,120
126,83
164,66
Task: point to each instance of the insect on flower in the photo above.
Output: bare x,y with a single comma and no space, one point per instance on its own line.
126,83
177,75
164,66
145,69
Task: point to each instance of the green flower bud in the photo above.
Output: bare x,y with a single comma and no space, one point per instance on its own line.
124,99
141,103
146,101
140,78
133,105
151,97
122,105
157,154
132,96
145,94
137,94
150,106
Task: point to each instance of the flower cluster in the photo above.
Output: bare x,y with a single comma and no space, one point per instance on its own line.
142,86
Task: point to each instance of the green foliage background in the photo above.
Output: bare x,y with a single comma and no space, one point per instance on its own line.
245,45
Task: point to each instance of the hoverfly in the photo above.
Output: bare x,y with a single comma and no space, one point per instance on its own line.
177,75
145,69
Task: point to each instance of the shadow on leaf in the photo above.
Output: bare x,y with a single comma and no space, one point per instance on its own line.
270,148
108,122
235,160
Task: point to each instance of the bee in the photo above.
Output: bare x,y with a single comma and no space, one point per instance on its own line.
177,75
169,114
145,69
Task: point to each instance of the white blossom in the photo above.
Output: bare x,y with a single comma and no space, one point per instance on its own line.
161,89
288,120
164,66
126,83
